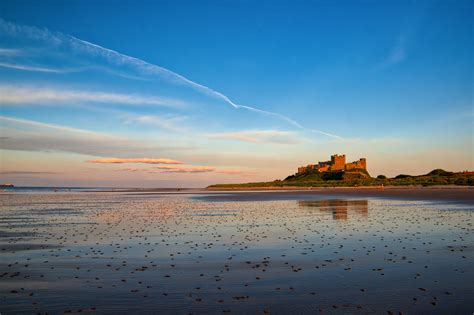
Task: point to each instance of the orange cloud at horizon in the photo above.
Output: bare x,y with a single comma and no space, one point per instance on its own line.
129,169
134,160
190,169
177,169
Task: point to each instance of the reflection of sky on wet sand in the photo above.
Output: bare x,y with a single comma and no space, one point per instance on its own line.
175,253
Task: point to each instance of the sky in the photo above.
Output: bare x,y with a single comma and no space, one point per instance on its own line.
191,93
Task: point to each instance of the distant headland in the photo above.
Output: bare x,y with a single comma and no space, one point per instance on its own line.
337,173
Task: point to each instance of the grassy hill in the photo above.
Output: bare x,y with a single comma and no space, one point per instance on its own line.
360,178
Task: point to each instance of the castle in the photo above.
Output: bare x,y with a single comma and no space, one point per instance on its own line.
337,163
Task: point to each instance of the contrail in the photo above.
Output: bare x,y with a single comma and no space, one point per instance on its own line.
117,58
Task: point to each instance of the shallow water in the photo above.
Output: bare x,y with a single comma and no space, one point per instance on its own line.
184,253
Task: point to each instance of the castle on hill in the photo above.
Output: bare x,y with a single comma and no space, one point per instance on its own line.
337,163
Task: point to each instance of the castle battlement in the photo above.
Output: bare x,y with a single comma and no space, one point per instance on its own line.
337,163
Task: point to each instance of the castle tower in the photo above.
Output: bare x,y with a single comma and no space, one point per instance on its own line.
338,162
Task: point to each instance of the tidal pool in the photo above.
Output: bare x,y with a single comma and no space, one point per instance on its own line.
192,253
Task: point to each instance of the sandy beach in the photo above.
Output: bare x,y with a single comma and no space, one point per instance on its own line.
335,251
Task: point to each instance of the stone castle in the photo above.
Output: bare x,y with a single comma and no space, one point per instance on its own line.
337,163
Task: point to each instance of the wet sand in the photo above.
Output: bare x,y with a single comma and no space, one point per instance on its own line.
204,252
436,193
461,194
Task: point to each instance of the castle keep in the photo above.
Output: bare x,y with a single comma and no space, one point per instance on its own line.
337,163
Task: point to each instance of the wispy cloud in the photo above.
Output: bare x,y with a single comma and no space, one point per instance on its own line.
10,51
28,135
48,126
372,141
27,173
259,136
130,169
169,122
31,68
396,55
134,160
116,58
35,95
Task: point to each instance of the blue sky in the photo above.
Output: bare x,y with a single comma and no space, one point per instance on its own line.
234,90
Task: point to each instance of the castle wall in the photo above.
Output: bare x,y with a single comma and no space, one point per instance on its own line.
302,169
324,168
307,168
362,164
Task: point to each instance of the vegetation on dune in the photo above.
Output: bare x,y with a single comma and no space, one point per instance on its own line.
361,178
401,176
440,172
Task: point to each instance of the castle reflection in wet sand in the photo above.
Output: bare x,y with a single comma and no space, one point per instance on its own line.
338,207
